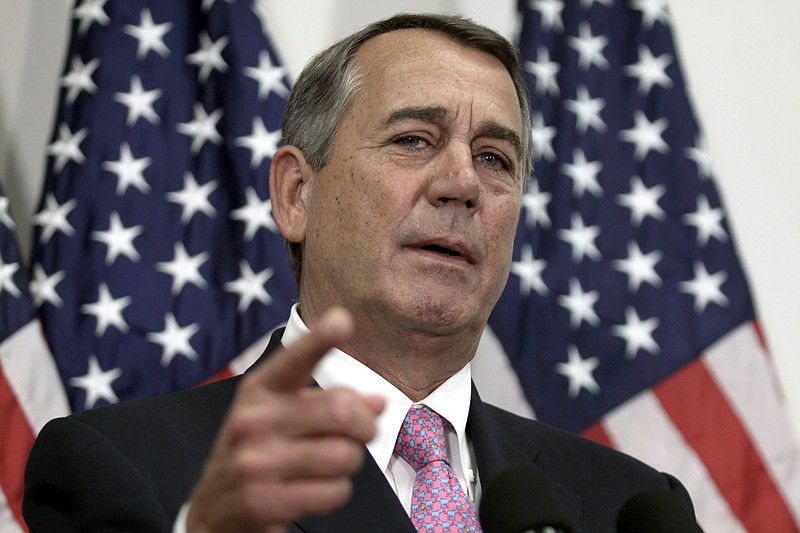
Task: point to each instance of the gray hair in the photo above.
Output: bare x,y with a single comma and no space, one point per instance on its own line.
330,81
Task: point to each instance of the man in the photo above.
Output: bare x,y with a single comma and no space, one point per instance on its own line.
398,189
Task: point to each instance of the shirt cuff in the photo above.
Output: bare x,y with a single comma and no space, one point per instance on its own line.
179,526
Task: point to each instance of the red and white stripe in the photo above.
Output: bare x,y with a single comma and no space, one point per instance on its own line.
719,424
31,393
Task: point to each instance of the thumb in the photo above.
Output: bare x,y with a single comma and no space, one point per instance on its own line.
290,369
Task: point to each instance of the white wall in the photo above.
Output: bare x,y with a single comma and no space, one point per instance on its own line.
739,56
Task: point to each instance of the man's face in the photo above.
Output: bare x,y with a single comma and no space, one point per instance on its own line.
413,219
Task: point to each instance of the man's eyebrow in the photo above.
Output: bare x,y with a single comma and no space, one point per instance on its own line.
493,130
422,114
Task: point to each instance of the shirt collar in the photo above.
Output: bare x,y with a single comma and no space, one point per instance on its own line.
451,399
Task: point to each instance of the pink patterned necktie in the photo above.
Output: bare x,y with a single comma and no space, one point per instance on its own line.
438,502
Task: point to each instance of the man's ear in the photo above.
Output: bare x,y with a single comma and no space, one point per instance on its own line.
289,187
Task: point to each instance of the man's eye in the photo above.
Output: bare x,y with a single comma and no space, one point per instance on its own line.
493,161
410,141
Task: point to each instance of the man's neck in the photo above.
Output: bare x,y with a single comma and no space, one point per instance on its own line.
416,365
416,362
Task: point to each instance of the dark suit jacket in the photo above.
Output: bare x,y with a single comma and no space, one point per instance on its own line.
130,467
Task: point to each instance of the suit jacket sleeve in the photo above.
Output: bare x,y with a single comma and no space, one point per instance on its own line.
125,467
77,480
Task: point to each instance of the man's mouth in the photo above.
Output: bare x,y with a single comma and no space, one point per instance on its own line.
455,249
441,249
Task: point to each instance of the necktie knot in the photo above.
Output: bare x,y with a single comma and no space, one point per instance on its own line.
421,438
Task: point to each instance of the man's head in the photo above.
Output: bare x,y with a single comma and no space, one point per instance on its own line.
406,147
330,80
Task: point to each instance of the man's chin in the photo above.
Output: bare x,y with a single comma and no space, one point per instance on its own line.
441,316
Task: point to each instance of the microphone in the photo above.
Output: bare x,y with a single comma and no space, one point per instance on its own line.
656,511
522,499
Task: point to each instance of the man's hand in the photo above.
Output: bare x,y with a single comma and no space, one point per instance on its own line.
285,450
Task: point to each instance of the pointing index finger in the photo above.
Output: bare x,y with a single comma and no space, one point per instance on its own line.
290,369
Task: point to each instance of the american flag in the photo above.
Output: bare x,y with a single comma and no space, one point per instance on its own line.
157,265
30,391
627,316
156,254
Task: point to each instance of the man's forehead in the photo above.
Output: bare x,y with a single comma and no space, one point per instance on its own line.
401,64
410,36
408,44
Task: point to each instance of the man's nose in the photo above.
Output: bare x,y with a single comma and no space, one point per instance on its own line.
454,180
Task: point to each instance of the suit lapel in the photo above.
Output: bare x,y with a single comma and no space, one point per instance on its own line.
497,447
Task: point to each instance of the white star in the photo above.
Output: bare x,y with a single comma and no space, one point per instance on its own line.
174,340
646,135
139,102
108,311
5,218
705,288
580,305
639,267
529,271
202,128
707,220
638,333
250,286
97,383
184,268
650,70
535,203
7,271
579,372
89,12
700,154
544,71
652,11
193,197
79,78
119,239
269,77
209,56
53,217
589,47
255,214
149,35
129,171
261,143
263,11
542,138
67,147
643,202
43,287
581,238
587,111
551,13
584,174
